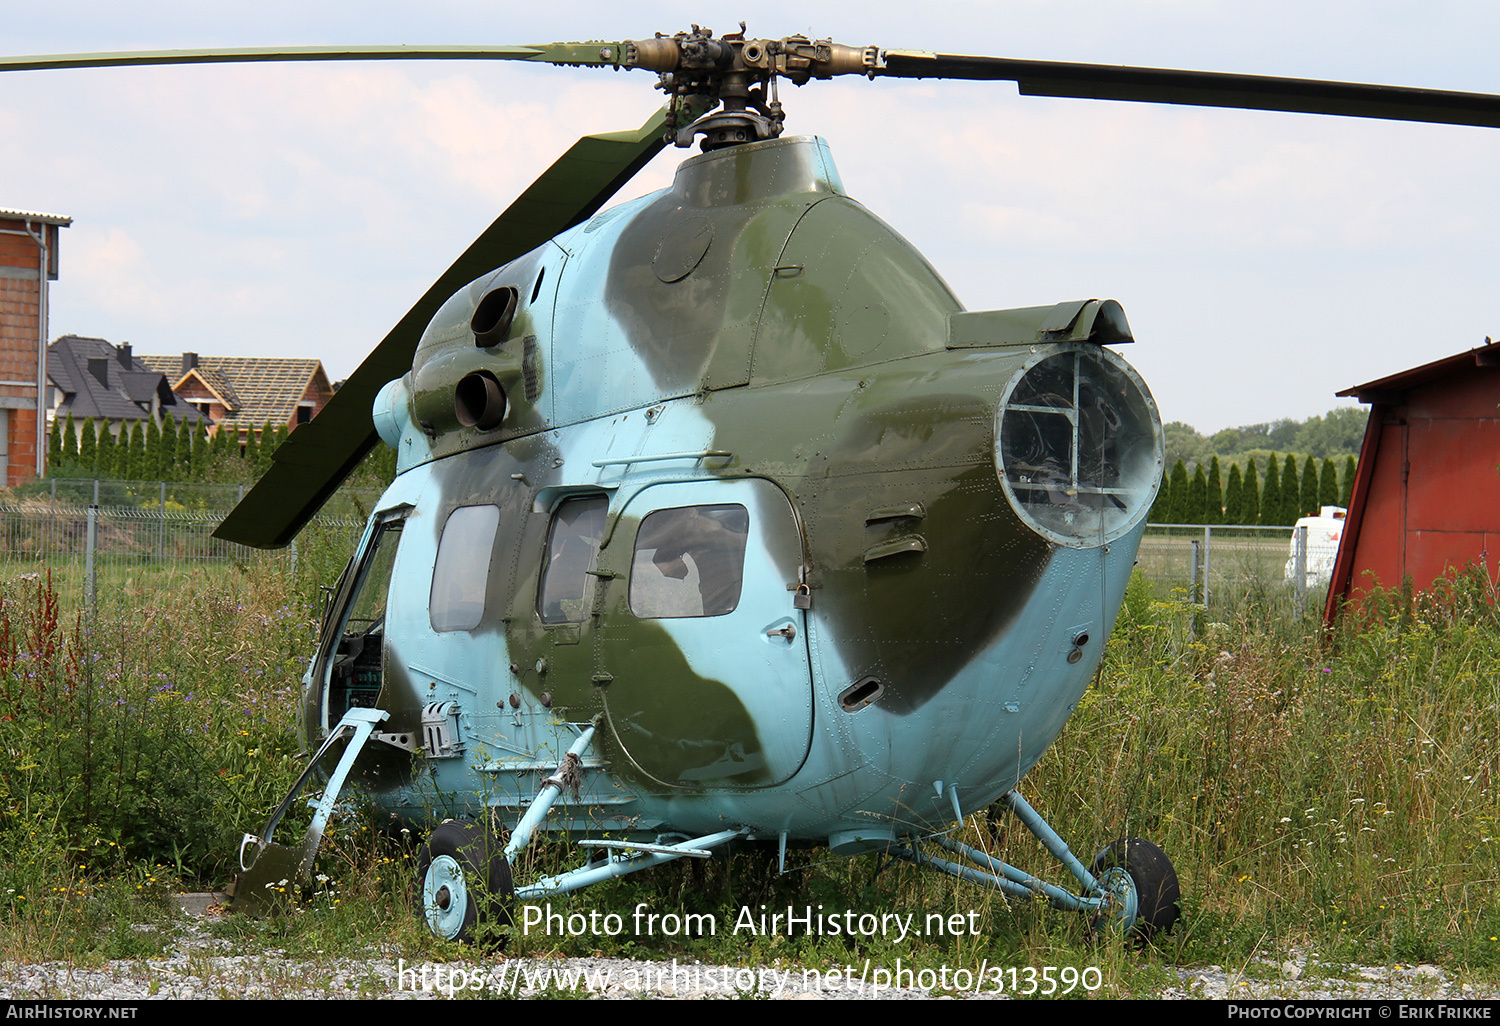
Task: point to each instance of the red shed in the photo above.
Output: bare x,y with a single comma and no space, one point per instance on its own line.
1427,493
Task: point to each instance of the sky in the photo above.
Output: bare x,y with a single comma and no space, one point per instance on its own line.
1265,261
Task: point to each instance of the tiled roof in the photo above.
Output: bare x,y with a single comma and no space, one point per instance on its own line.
125,393
263,389
220,386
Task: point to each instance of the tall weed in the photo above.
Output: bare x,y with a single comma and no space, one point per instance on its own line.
160,731
1332,789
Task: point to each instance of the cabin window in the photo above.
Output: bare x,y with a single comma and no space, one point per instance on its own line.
689,562
572,543
462,569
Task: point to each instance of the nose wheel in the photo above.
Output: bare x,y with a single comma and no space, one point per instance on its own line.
1131,884
464,889
1143,883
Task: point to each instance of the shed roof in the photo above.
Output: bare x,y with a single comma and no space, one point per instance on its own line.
1387,390
29,215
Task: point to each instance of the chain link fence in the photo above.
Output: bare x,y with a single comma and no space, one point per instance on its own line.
162,495
115,554
1222,568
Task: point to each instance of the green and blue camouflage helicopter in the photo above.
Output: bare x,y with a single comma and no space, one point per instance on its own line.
718,518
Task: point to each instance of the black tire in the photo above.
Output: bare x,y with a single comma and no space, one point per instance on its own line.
463,884
1155,881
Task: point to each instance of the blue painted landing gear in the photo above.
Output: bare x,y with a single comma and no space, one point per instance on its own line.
463,873
463,884
1131,884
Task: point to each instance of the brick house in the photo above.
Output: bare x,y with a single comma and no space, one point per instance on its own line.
28,261
245,393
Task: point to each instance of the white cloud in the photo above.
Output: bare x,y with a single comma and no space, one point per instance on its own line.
1265,260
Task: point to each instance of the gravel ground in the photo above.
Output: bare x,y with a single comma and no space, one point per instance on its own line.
205,967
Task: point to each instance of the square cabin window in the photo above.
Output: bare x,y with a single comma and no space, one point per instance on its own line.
689,562
462,570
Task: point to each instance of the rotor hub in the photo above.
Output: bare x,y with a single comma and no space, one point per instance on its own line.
740,74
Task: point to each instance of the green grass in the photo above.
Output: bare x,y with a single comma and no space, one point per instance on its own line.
1322,792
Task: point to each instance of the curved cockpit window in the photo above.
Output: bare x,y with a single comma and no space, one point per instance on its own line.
461,572
689,561
1078,447
351,653
572,543
367,605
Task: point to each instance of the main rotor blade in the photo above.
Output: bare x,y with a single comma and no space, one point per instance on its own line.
1204,88
598,52
316,457
1034,78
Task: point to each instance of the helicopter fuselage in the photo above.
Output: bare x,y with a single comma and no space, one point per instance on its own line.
729,470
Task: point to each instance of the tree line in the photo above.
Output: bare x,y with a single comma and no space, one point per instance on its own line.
173,451
1244,498
1335,435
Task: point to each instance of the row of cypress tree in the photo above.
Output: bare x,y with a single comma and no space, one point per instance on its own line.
1285,495
172,452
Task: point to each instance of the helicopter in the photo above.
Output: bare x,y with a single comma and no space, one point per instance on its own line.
718,518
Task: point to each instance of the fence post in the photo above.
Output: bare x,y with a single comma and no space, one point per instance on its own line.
1208,557
1195,565
1299,567
161,525
90,576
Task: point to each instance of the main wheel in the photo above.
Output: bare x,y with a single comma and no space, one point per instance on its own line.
463,883
1142,877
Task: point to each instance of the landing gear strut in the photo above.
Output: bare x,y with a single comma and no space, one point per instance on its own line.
1131,883
459,853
